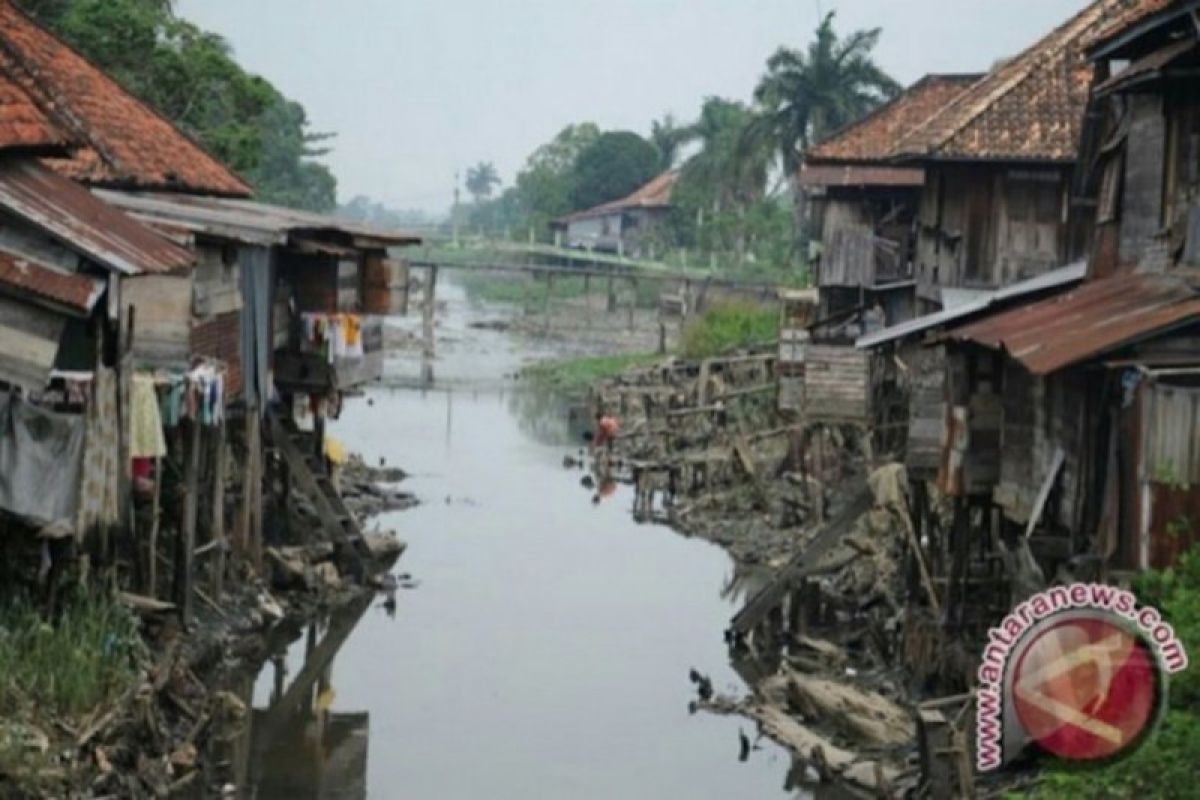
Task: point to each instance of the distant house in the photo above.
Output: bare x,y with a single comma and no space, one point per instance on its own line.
865,206
626,226
999,160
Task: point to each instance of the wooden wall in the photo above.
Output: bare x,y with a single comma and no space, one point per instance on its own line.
29,341
836,383
985,226
1141,198
162,336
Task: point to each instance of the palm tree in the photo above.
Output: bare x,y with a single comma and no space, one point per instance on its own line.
481,179
669,137
807,94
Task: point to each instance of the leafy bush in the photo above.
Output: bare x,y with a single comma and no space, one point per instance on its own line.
728,326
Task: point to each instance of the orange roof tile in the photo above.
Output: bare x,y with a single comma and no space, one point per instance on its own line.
126,142
1029,108
655,194
23,126
873,138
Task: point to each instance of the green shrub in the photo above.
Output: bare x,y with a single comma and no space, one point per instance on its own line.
728,326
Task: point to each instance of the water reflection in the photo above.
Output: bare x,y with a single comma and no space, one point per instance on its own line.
295,746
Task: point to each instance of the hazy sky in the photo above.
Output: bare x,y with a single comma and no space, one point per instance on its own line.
417,89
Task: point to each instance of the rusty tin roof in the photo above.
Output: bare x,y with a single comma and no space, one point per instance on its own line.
1098,317
83,222
125,142
245,220
21,276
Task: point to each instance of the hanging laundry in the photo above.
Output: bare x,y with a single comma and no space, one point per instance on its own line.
145,423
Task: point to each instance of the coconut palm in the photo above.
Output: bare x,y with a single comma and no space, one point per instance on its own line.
481,179
807,94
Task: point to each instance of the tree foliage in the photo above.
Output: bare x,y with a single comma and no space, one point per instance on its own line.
617,164
807,94
481,180
190,76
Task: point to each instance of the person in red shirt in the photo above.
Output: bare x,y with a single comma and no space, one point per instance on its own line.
607,429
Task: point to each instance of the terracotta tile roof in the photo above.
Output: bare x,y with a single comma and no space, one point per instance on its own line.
21,276
1085,323
655,194
126,142
1029,108
874,137
23,126
1123,17
83,222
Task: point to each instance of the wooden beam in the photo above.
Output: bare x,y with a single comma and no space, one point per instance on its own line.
185,543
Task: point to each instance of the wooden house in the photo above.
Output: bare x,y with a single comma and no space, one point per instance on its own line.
626,226
864,206
998,204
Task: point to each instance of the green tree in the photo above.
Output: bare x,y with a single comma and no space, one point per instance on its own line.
190,76
545,185
481,180
615,165
805,95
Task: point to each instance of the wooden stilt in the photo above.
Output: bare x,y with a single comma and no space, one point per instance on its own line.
218,513
185,546
151,587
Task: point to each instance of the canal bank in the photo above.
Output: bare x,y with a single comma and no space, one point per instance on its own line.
543,645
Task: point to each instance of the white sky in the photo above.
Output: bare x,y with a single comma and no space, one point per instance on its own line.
417,89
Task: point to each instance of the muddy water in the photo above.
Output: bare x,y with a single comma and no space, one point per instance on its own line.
545,649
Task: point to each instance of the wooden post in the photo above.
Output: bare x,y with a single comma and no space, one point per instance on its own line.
185,543
611,307
151,587
218,514
250,535
429,310
633,288
546,300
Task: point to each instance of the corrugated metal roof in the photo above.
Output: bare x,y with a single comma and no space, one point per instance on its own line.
1094,319
21,276
244,220
70,213
655,194
1030,108
125,141
859,175
1148,68
1063,276
873,138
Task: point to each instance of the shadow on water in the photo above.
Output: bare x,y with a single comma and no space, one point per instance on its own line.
545,651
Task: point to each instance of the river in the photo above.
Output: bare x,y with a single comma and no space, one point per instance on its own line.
544,647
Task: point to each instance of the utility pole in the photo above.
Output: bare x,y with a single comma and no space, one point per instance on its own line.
454,212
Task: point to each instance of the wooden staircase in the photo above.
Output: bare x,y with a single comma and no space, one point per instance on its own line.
308,473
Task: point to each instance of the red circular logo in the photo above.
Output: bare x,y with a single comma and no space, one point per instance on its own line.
1085,688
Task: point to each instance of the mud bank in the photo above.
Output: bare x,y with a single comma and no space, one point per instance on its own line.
161,736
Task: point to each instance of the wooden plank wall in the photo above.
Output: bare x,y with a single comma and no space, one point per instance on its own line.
1141,199
927,419
163,319
836,384
29,339
217,283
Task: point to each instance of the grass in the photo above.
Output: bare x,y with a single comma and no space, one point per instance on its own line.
87,657
572,375
728,326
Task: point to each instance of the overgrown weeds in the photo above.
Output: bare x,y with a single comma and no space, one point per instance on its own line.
574,375
727,326
68,665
